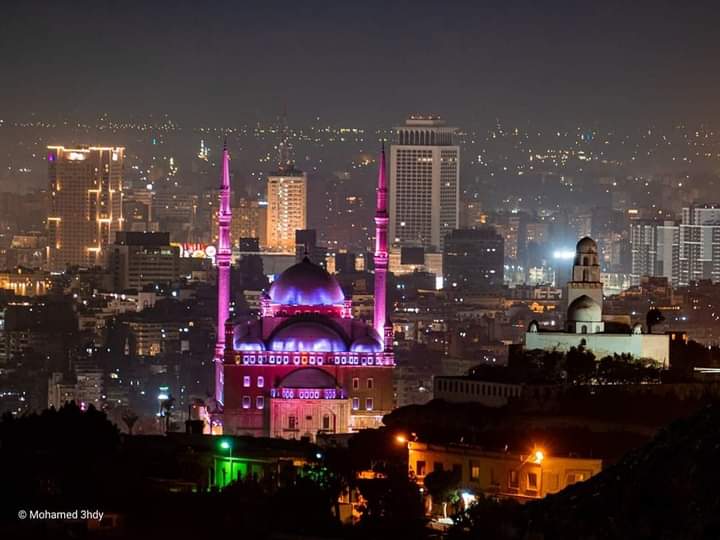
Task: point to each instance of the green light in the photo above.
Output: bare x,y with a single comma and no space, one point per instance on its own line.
225,445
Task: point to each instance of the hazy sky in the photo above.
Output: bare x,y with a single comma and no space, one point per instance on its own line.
368,63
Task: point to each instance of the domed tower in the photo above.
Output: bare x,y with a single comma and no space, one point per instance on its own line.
586,273
584,316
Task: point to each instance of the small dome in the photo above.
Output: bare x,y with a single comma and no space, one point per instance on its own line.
248,344
584,309
307,336
366,344
586,245
306,284
308,378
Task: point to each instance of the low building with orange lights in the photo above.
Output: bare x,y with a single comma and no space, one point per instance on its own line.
502,474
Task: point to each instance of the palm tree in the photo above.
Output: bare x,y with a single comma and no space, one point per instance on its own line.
129,418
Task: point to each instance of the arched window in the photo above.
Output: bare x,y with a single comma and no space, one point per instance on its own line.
583,329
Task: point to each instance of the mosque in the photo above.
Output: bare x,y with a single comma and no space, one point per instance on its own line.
585,324
305,366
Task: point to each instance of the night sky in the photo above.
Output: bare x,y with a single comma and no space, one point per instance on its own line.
365,63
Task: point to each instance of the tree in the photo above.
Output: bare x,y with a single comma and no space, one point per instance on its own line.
130,418
580,365
443,487
654,316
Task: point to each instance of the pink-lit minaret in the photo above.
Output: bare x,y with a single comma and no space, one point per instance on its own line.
381,249
223,258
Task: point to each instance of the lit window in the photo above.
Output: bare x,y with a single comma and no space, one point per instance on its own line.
356,383
369,404
260,381
370,383
260,402
246,381
355,403
513,480
246,402
574,477
474,471
532,481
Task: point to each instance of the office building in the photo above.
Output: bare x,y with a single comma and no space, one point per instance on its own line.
473,259
699,249
138,259
286,201
424,183
654,248
85,207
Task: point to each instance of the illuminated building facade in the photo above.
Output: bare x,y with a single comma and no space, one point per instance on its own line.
286,201
306,366
424,183
286,208
85,207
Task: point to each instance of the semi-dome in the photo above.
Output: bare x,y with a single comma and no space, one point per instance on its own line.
309,378
248,344
306,284
366,344
307,336
586,245
584,309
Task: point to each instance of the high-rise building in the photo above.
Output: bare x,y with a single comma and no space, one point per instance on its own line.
85,207
699,250
286,202
138,259
424,183
654,248
473,259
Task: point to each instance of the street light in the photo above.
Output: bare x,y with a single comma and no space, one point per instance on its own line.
539,456
226,444
401,439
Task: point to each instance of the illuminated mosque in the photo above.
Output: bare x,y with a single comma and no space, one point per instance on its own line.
305,366
585,322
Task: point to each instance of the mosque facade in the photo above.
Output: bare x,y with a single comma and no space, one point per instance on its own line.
585,324
305,366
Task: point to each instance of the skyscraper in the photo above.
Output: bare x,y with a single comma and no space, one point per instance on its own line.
286,201
85,207
699,256
424,183
654,248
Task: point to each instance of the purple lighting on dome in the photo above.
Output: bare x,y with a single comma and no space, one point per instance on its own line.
223,257
299,344
307,337
381,249
306,284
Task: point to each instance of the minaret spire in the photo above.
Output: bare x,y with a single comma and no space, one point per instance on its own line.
224,255
381,250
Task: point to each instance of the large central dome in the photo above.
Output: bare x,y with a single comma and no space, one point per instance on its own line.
306,284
